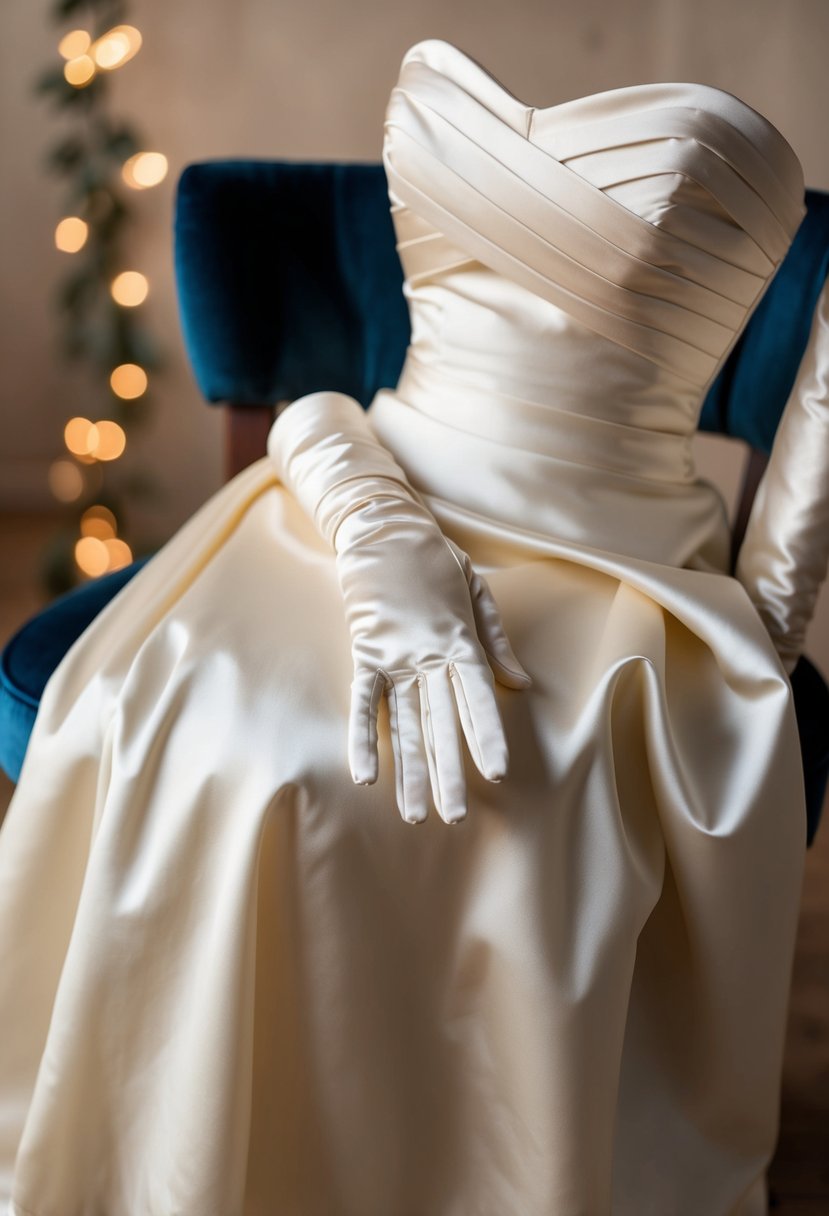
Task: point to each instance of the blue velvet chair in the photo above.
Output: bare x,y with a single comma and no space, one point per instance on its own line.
289,281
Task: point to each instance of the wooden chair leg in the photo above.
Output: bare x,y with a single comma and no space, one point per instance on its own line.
755,467
246,436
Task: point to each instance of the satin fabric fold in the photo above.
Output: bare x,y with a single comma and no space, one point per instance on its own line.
256,970
234,983
785,551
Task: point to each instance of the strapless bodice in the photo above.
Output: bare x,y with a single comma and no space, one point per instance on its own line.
575,277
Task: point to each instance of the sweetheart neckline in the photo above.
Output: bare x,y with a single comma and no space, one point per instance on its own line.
464,56
419,53
536,124
428,53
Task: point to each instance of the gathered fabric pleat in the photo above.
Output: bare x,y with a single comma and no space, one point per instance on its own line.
476,165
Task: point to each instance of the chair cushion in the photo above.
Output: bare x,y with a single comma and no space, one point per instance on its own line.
34,652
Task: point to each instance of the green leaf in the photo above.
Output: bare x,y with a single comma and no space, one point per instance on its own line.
146,350
76,291
64,8
51,80
86,98
66,155
58,571
121,144
112,13
73,345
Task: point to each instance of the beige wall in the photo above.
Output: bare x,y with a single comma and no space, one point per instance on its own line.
310,79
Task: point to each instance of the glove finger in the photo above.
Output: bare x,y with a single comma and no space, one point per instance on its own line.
480,718
367,689
439,721
411,774
490,629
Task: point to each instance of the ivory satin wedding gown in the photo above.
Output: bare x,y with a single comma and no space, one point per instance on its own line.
232,981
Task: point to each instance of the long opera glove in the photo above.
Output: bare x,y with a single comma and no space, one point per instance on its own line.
783,558
425,629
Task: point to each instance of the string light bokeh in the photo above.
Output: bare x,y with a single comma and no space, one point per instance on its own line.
89,54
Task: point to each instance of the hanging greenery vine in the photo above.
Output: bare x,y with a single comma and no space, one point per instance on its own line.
102,162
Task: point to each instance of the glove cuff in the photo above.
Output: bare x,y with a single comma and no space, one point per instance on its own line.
324,441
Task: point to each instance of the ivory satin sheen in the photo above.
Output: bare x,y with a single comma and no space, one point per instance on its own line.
233,983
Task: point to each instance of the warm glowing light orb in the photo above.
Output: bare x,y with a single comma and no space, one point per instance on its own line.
119,553
65,480
145,169
110,441
71,234
129,288
99,522
116,47
74,44
92,556
80,436
111,51
79,71
128,381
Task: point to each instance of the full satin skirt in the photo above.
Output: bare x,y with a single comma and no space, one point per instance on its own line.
235,984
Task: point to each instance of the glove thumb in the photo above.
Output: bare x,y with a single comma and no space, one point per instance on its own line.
505,666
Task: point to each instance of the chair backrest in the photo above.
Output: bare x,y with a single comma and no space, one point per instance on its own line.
289,282
747,398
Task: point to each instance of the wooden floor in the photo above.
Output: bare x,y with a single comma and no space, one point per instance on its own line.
800,1172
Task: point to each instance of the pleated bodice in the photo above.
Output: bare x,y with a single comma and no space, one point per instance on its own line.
576,276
